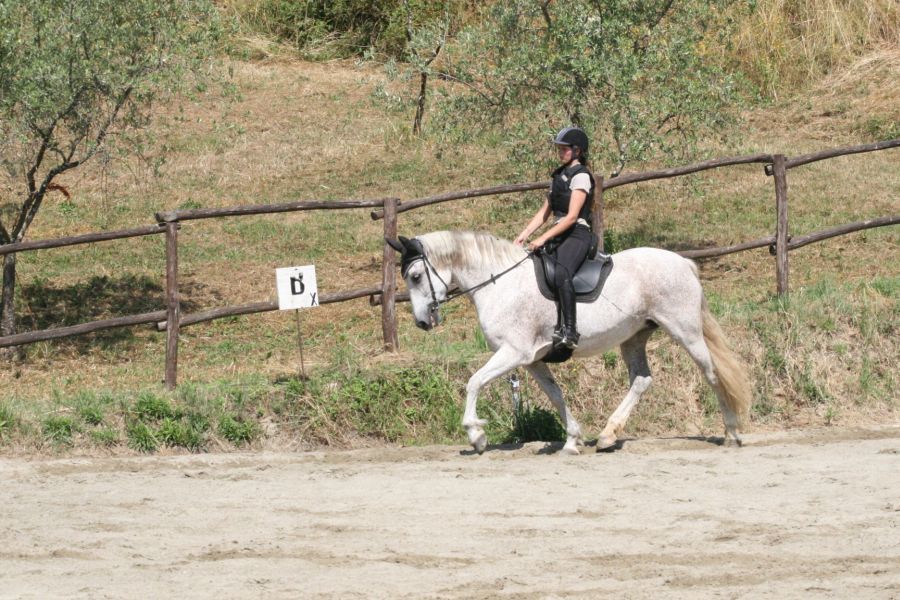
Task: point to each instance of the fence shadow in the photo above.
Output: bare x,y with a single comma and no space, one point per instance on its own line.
652,235
45,304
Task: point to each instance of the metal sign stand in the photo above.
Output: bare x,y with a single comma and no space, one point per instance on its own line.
300,346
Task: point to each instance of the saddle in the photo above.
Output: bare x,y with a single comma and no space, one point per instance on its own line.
588,280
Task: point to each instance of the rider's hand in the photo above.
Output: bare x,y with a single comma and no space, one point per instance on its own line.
536,244
519,241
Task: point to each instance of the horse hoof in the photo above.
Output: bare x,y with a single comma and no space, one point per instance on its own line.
570,450
733,442
480,443
605,442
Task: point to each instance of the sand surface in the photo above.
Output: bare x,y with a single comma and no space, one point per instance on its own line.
810,514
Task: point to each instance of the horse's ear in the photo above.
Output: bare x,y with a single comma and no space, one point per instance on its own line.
395,244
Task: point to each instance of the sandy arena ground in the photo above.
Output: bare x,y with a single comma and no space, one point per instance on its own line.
811,514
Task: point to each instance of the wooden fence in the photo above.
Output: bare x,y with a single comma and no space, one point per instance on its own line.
169,222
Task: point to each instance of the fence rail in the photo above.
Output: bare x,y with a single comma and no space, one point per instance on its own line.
805,159
86,238
72,330
262,209
388,209
261,307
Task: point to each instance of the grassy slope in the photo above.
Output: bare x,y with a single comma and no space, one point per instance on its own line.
312,131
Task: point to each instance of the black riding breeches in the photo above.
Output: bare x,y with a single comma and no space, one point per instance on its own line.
570,254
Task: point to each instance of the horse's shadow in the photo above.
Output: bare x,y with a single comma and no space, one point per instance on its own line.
551,448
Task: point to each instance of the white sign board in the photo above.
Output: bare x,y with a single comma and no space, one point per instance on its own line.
296,287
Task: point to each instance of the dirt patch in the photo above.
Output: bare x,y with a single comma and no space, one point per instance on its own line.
790,514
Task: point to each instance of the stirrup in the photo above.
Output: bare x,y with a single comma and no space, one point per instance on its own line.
558,335
568,339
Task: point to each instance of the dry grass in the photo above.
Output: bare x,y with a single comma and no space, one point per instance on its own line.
786,45
311,131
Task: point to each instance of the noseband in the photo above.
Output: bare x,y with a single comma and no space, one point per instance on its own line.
409,260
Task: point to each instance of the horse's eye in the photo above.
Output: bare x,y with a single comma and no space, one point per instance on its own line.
415,278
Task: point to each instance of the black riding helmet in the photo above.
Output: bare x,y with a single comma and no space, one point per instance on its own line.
572,136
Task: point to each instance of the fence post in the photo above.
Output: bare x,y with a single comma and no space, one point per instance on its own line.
597,212
173,305
389,279
781,231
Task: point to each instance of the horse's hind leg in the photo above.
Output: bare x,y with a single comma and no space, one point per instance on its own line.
541,373
689,335
634,351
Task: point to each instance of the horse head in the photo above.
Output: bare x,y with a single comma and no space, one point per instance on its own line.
427,288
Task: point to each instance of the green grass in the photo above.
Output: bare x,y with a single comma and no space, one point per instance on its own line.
236,430
142,438
106,437
59,429
8,422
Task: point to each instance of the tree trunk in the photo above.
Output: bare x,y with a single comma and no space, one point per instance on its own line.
420,105
8,305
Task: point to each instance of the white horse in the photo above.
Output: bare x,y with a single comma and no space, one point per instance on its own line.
647,289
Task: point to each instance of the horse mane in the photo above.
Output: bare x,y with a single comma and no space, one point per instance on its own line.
458,249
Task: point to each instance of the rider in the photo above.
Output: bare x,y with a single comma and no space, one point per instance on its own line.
569,201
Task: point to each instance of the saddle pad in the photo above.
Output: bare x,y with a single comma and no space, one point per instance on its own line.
588,280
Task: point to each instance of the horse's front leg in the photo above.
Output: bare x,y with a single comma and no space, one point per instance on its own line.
541,373
503,361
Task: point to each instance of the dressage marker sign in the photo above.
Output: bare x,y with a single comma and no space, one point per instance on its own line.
296,287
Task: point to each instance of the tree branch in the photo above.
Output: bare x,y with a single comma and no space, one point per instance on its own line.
46,137
662,15
454,79
31,207
622,155
546,12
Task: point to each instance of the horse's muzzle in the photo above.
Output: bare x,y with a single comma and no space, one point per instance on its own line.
434,319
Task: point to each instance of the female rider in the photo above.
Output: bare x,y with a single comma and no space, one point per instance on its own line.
569,201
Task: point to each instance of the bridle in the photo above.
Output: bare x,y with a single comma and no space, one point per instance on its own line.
434,307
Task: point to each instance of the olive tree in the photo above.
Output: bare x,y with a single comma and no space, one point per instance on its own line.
73,76
641,76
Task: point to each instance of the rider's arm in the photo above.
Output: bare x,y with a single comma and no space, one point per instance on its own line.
540,217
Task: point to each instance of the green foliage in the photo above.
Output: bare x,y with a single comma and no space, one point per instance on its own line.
610,358
174,432
236,430
92,415
8,421
151,406
879,127
106,437
536,424
141,437
632,74
59,429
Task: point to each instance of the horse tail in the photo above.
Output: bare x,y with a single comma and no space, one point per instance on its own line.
730,371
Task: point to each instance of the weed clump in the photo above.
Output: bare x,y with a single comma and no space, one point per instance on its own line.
236,430
142,438
8,422
59,429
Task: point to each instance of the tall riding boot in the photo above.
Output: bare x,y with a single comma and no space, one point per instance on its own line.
567,304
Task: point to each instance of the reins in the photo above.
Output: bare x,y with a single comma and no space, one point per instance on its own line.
435,303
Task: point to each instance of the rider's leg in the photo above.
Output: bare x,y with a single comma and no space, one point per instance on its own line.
566,291
569,257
